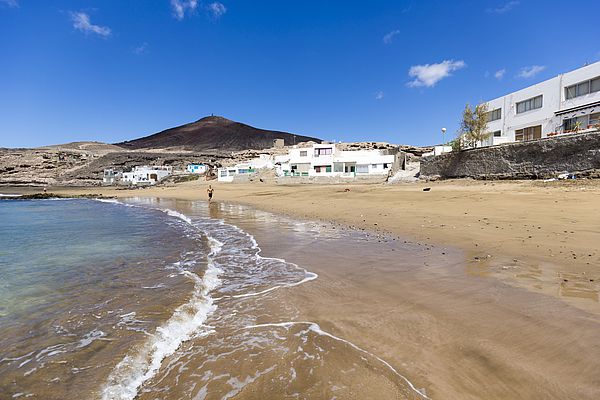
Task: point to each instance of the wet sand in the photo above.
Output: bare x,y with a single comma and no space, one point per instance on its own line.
458,335
501,303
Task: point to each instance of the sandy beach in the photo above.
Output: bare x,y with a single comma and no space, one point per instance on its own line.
500,301
543,236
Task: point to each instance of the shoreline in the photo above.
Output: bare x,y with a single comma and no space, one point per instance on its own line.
536,235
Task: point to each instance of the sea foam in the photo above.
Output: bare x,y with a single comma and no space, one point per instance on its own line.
130,374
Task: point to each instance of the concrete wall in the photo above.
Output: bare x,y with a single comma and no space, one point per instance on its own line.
545,158
288,180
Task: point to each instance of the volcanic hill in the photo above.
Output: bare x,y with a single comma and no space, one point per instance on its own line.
214,133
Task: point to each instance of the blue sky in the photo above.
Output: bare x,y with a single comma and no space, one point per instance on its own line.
395,71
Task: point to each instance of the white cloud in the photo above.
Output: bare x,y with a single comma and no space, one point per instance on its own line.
81,21
216,9
379,95
183,7
389,37
503,8
429,74
500,73
10,3
530,72
141,49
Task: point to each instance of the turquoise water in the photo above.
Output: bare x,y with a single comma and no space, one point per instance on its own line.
82,281
51,251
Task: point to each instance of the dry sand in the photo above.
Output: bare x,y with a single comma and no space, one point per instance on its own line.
516,317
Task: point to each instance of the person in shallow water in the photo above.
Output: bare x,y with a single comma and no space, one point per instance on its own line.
210,191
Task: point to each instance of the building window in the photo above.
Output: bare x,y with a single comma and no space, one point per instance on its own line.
303,153
529,133
583,88
323,152
497,134
374,166
362,169
530,104
386,165
595,119
494,115
322,168
576,123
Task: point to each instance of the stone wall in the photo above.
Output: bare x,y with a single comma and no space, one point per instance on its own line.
544,158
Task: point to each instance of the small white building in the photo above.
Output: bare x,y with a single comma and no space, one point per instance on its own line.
111,176
565,104
227,174
197,168
327,160
146,175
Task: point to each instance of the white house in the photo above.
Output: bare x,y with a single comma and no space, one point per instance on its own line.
327,160
567,103
111,176
146,175
227,174
324,159
197,168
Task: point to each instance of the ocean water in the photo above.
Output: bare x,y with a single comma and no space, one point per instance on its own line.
160,299
78,283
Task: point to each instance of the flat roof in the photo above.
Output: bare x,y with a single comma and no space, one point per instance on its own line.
597,63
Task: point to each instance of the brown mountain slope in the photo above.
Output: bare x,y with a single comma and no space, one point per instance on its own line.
214,133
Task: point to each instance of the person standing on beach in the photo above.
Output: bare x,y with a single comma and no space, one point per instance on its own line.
210,191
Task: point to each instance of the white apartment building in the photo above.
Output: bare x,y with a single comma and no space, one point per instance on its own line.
327,160
564,104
